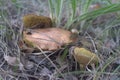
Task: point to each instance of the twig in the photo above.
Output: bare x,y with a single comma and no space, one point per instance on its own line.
51,62
92,43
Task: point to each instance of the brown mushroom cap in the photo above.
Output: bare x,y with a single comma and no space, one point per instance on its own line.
48,38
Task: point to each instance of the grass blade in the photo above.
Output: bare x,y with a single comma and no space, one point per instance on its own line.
109,9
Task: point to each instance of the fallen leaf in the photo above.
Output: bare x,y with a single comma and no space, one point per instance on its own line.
84,57
11,60
35,21
48,38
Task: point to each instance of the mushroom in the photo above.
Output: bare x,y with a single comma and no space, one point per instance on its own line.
84,57
48,38
35,21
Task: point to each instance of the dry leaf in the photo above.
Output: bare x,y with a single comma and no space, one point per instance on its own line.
11,60
84,57
48,38
35,21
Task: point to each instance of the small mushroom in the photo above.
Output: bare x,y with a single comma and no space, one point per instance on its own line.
84,57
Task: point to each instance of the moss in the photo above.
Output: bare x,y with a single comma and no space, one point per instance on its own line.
35,21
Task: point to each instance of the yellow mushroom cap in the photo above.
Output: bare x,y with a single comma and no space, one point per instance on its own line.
84,56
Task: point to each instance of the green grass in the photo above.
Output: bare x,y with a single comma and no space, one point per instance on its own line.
85,13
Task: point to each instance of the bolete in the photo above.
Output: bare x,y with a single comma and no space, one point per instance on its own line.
84,57
48,38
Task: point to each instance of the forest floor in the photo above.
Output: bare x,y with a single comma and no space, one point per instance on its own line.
101,38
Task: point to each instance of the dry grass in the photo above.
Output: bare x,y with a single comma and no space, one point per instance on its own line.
56,65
